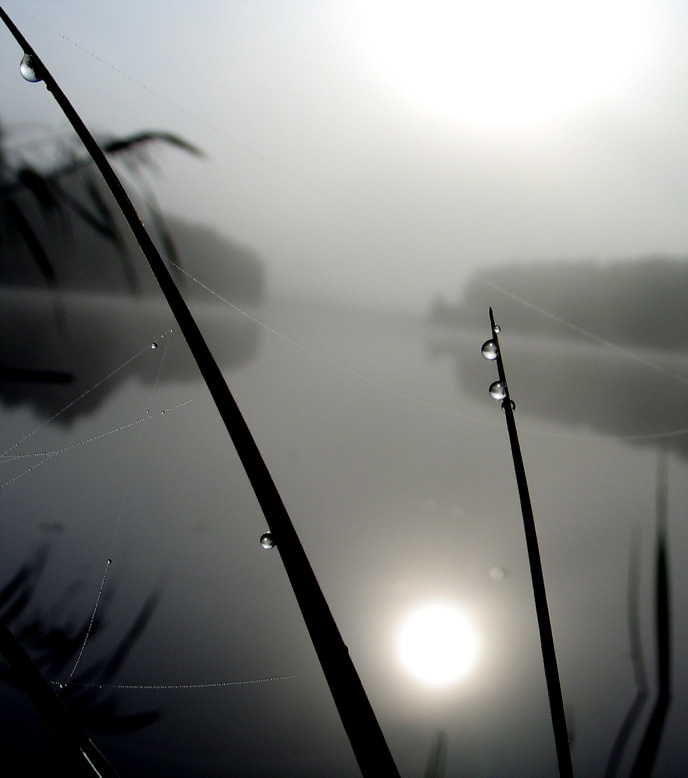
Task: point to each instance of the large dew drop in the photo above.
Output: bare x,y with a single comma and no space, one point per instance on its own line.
28,68
497,390
490,350
266,540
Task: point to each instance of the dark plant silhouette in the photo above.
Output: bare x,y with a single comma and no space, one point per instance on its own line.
649,744
499,390
31,197
639,673
53,641
437,758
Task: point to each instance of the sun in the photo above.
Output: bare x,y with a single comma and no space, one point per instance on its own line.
437,645
504,62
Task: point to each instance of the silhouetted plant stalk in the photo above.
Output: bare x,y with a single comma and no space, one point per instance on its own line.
499,390
83,754
637,661
356,713
647,752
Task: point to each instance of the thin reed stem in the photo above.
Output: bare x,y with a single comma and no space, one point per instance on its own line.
549,657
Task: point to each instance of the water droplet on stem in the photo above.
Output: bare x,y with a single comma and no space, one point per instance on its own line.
497,390
490,350
29,69
266,540
496,329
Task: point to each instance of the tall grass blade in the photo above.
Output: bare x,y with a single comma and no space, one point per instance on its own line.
647,753
549,657
637,660
87,761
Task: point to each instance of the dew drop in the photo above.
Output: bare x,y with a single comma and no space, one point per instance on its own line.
497,574
154,345
496,329
109,562
28,68
513,405
497,390
266,540
490,350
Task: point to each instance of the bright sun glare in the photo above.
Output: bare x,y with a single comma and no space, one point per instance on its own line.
437,645
504,62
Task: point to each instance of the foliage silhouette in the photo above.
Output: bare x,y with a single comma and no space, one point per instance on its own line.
54,643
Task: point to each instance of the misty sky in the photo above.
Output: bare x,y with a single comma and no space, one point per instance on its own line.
352,179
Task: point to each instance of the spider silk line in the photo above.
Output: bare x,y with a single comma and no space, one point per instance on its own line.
93,618
81,396
332,363
93,438
132,466
7,458
442,408
174,686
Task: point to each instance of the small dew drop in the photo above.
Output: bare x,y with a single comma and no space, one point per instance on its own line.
109,562
497,574
28,69
513,405
490,350
162,412
266,540
60,686
154,345
496,329
497,390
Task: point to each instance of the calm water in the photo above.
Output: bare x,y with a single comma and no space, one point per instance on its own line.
394,464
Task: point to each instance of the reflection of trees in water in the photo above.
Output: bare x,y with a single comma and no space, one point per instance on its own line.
584,387
103,334
75,298
558,374
53,639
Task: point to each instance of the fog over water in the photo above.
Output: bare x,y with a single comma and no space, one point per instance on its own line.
339,241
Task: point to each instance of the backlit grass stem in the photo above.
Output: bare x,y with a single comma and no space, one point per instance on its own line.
549,657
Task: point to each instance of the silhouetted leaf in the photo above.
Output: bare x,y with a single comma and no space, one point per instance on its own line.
133,142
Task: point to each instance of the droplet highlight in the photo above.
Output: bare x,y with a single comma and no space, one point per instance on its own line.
267,541
498,390
496,329
490,350
154,344
29,68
